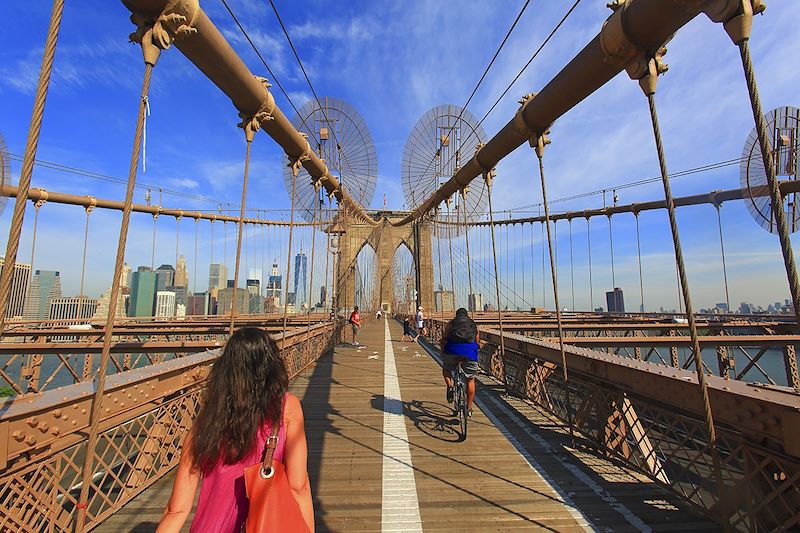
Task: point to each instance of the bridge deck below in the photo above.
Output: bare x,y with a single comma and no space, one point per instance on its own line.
379,462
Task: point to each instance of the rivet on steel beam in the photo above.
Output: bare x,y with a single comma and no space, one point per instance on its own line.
18,435
32,421
30,440
56,430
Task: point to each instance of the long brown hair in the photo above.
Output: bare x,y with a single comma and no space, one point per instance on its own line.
245,389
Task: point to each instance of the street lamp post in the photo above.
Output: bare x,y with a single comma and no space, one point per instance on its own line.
336,231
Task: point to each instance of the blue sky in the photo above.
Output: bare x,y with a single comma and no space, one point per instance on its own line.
393,62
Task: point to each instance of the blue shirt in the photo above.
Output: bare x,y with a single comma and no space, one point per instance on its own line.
468,350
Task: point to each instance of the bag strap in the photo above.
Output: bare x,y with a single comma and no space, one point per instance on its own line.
272,442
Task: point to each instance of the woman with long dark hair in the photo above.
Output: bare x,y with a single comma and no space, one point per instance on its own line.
247,393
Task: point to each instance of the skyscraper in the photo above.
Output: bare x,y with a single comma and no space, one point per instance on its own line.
217,276
19,288
475,302
45,285
274,285
165,277
125,280
300,271
256,305
615,301
165,303
76,307
143,292
258,275
181,274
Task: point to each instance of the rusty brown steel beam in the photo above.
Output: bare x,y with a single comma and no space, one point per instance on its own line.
686,342
636,28
33,426
753,409
208,49
711,198
36,195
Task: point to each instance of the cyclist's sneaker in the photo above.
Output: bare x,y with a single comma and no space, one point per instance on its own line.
469,413
449,394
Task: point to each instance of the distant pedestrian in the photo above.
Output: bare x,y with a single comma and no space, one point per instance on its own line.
407,331
378,314
420,319
355,324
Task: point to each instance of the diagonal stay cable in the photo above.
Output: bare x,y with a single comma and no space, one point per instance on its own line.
310,85
524,68
477,86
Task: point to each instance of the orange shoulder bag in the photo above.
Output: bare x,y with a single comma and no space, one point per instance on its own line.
272,507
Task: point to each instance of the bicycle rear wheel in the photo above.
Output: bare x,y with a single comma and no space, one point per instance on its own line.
462,407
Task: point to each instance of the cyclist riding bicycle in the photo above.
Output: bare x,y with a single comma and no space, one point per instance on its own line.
460,344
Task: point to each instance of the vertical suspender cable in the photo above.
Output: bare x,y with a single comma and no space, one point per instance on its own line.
295,170
722,253
541,141
571,265
488,176
611,248
240,230
32,143
776,200
151,53
533,270
589,248
450,246
194,274
469,261
313,250
83,263
544,268
153,254
639,255
648,84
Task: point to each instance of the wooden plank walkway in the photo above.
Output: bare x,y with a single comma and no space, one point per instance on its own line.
510,474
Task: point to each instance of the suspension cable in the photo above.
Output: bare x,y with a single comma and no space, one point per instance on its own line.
639,255
194,274
153,253
488,176
589,248
249,133
648,84
722,253
533,270
541,141
611,250
571,265
151,54
313,250
85,245
31,145
470,294
450,246
295,171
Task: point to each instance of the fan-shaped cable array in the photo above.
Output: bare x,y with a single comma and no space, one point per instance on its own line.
339,136
442,139
783,125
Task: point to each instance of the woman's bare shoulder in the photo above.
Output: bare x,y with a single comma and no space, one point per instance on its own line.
293,409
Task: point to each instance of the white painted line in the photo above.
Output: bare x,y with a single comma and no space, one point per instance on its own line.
579,474
398,485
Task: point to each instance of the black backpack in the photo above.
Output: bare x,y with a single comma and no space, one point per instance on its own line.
463,329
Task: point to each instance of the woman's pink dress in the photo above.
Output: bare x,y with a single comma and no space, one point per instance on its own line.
222,506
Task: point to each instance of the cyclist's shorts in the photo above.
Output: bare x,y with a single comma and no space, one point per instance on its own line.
470,367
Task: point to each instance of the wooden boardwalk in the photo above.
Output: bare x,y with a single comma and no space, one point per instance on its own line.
379,464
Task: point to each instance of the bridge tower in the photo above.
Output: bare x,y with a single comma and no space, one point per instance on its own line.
385,239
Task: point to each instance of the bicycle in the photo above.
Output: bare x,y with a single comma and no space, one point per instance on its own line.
460,397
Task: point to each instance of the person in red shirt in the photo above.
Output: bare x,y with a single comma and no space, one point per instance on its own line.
355,323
